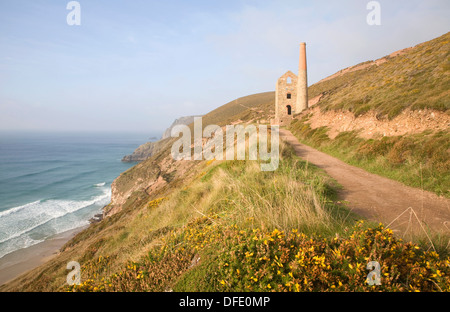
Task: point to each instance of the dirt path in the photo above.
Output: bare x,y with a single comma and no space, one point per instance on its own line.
379,198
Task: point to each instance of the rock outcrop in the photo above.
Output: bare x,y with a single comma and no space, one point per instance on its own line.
370,126
145,151
187,120
150,148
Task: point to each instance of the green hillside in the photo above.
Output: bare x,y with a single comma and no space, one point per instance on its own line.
245,108
228,226
417,79
233,227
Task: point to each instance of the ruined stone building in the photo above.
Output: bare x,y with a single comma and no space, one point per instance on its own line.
291,92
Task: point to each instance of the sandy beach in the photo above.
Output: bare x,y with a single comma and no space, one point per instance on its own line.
20,261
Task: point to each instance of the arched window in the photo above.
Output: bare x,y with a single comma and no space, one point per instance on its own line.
288,80
288,95
289,111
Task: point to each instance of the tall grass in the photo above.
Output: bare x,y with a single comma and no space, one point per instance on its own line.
296,195
282,202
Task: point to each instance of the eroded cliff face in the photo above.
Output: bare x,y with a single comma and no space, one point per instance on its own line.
158,172
139,184
370,126
133,185
119,197
145,151
186,120
148,149
155,170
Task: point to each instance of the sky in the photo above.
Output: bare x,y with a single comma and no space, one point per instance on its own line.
135,66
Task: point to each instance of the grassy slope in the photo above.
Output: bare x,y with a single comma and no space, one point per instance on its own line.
417,79
229,226
241,108
124,236
235,228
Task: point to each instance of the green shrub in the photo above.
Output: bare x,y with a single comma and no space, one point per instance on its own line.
236,258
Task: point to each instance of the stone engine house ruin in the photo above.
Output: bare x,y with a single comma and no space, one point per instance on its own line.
291,92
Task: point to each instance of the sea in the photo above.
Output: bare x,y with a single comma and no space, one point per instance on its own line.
55,182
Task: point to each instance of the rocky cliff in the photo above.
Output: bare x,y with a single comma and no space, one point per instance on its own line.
187,120
145,151
150,148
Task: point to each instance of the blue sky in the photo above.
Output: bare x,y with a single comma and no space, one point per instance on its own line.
137,65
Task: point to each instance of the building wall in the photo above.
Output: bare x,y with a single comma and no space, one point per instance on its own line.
283,88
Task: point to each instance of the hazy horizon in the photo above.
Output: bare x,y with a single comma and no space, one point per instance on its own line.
136,66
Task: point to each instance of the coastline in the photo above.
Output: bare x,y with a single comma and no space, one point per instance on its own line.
23,260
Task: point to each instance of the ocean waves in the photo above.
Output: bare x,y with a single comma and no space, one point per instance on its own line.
54,182
32,223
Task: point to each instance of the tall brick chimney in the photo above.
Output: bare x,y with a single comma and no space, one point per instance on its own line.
302,82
